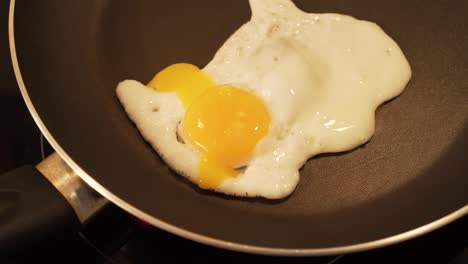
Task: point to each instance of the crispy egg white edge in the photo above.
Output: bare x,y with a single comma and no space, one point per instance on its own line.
157,117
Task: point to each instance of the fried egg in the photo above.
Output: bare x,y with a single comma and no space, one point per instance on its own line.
287,85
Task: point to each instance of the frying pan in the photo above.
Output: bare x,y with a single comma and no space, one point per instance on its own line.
408,180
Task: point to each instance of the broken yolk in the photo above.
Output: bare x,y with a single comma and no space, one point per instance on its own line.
223,122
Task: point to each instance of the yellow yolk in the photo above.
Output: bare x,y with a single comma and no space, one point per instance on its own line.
186,80
223,122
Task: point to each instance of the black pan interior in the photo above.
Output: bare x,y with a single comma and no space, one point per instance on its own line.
73,53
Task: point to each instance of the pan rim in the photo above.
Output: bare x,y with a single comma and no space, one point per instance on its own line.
211,241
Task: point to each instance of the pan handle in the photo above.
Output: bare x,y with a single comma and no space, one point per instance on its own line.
43,205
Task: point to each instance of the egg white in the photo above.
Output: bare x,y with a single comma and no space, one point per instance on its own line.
321,76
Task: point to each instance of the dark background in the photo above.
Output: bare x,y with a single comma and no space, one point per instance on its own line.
116,237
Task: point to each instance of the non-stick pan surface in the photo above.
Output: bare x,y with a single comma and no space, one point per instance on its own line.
70,55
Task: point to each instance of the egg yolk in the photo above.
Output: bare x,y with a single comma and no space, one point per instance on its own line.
186,80
223,122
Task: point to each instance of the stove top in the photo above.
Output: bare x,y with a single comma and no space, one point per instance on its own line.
114,236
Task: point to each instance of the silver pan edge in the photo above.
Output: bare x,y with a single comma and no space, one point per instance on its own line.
198,237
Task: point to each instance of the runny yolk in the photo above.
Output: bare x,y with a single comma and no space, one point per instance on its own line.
223,122
186,80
